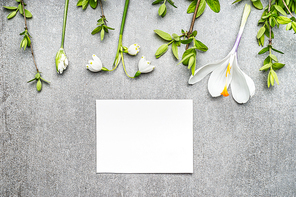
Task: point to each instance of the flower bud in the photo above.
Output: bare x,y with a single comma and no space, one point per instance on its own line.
133,49
61,61
39,85
94,65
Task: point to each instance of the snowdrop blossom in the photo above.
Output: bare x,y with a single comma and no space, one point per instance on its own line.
61,61
227,72
134,49
94,65
145,66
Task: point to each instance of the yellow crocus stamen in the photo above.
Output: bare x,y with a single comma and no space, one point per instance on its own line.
225,92
228,70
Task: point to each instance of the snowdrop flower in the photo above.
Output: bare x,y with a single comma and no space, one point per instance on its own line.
61,61
144,66
227,72
95,65
133,49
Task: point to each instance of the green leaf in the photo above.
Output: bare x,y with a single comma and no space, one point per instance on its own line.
273,57
201,8
28,14
176,37
283,20
161,50
214,5
110,28
277,50
191,61
79,3
294,26
280,9
162,9
12,14
84,4
264,50
265,67
156,2
236,1
187,41
163,35
172,3
277,66
175,50
44,80
31,80
20,7
102,34
274,75
200,46
96,30
261,32
93,3
257,4
10,8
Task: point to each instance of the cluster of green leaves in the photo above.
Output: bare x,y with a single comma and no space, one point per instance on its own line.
163,9
274,18
102,27
14,10
213,4
26,41
271,63
258,4
189,56
84,3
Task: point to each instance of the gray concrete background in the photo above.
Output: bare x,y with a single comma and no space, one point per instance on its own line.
47,139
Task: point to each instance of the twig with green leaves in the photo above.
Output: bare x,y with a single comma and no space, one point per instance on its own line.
273,16
187,37
102,22
163,9
27,40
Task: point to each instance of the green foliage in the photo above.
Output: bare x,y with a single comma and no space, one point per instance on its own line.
213,4
39,80
102,27
14,10
163,8
84,4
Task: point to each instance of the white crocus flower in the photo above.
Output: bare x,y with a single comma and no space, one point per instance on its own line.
145,66
227,72
134,49
61,61
94,65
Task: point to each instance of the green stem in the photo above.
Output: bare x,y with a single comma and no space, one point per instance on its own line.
65,22
124,66
124,16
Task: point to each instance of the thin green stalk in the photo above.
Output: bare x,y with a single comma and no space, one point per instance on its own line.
65,22
124,16
123,65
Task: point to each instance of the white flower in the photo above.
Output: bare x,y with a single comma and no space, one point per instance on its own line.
227,72
94,65
61,61
133,49
145,66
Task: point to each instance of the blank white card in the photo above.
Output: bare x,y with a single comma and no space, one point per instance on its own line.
144,136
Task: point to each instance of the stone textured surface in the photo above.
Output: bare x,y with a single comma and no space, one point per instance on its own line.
47,139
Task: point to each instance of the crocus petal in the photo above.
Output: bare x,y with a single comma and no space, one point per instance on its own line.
217,80
207,69
239,86
251,84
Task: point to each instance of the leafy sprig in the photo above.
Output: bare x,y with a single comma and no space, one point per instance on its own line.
26,41
163,9
14,10
102,27
102,22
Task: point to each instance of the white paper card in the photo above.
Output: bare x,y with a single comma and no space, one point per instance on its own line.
144,136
